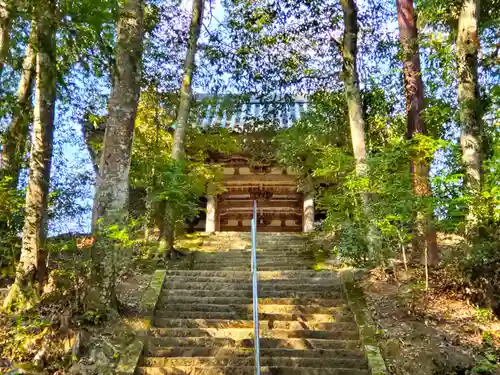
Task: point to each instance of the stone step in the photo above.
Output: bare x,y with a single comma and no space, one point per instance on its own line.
274,236
154,343
345,323
246,247
249,361
247,315
261,239
246,254
284,267
249,352
247,281
261,234
262,274
270,309
229,280
263,287
247,333
225,264
262,246
303,264
203,322
332,292
165,300
265,262
261,251
247,370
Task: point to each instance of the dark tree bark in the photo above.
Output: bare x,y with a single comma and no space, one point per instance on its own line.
425,238
112,190
31,268
469,99
15,137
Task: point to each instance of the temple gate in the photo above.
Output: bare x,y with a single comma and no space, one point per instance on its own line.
282,206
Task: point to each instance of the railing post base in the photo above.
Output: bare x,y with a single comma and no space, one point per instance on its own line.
255,290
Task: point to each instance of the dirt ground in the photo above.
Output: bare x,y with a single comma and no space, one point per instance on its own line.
24,337
429,332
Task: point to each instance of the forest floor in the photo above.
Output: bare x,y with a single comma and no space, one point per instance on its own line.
59,338
438,331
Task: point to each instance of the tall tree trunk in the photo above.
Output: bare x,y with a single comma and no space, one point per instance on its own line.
354,105
31,268
181,123
112,190
425,238
351,85
468,98
5,22
150,190
15,137
187,77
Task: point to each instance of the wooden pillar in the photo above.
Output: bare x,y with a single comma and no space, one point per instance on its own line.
308,214
211,221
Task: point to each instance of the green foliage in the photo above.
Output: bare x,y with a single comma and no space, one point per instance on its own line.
11,222
177,186
319,145
256,138
382,123
180,189
324,127
483,315
91,317
488,356
24,333
481,249
203,144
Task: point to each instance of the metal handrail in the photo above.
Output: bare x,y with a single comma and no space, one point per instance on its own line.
255,290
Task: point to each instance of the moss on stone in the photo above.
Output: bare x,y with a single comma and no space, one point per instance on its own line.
130,358
151,296
365,323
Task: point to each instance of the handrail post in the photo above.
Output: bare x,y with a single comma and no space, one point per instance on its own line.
255,290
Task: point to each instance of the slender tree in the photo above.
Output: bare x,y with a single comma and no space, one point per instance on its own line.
468,95
5,21
351,84
31,267
425,238
152,177
15,137
353,98
167,227
187,77
112,190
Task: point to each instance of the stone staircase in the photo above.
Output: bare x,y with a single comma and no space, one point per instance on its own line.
203,319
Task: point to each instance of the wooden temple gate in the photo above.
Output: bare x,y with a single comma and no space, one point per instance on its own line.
281,206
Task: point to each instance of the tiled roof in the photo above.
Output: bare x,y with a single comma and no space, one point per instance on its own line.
226,114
